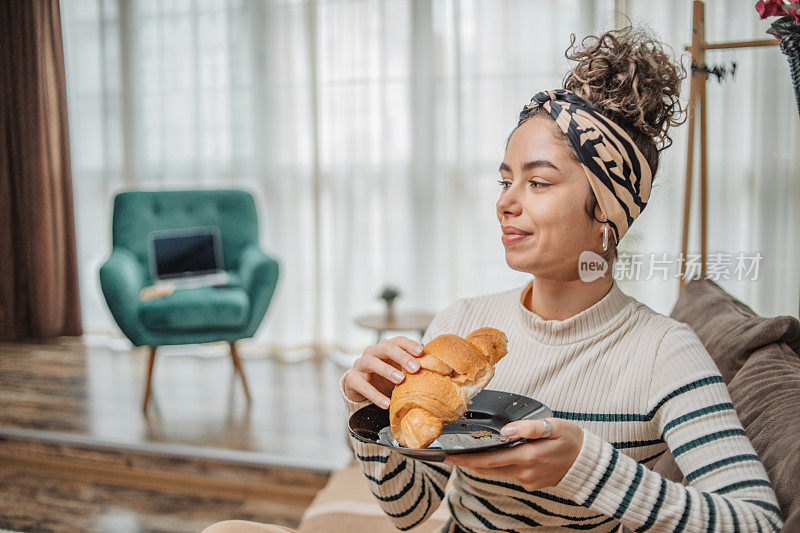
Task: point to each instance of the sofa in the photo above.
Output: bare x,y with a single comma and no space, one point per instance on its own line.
758,359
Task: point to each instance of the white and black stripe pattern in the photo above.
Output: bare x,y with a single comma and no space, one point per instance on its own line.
638,383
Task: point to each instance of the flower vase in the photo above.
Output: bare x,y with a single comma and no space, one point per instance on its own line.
390,310
788,31
790,45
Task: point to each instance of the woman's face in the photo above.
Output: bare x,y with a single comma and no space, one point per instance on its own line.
543,194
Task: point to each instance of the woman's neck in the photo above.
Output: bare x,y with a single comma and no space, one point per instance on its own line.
559,300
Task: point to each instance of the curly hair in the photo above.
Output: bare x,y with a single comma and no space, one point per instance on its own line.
628,76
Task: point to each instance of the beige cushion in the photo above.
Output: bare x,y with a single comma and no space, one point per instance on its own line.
729,329
346,504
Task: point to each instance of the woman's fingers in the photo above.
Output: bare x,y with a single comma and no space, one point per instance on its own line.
491,459
503,471
359,383
385,360
401,349
532,429
409,345
348,390
376,366
389,349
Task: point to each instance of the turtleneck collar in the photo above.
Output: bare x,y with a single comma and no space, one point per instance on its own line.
600,317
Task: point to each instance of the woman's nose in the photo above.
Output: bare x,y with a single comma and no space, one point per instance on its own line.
509,203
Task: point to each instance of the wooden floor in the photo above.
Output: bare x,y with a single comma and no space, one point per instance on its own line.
33,501
76,453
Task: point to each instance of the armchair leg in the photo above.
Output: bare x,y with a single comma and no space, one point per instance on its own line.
237,367
148,383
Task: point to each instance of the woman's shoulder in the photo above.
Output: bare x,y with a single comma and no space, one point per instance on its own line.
680,358
488,308
676,338
482,300
468,313
642,311
678,346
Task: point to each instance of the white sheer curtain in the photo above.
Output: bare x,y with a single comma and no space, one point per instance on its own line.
753,162
370,132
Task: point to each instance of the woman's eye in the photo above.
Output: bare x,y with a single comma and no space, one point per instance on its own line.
535,184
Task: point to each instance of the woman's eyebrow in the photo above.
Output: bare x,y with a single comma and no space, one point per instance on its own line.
531,165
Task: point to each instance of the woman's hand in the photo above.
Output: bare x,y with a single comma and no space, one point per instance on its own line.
376,372
535,465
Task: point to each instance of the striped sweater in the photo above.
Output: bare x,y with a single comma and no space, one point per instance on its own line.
638,383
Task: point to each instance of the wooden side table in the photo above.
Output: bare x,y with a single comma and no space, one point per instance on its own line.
408,321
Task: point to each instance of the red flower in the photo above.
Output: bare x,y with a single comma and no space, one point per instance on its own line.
769,8
794,13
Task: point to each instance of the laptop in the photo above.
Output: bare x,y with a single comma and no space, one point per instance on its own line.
187,257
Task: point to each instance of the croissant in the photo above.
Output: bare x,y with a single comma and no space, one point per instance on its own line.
452,371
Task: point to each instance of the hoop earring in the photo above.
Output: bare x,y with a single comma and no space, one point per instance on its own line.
605,238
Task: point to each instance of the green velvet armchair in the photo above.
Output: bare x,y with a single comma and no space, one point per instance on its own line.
196,315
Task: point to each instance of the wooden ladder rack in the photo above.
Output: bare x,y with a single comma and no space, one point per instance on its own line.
697,96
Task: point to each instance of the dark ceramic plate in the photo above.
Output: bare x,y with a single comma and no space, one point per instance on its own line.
489,411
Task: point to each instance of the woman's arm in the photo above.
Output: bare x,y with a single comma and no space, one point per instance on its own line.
728,486
409,491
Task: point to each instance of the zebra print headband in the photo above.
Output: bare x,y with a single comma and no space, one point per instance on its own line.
617,170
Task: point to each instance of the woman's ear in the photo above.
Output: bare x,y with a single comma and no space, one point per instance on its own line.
598,215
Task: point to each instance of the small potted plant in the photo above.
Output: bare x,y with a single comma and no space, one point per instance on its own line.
388,294
787,29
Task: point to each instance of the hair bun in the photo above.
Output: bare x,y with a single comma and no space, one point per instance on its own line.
628,76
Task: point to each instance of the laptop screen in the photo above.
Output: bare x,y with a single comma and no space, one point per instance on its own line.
184,253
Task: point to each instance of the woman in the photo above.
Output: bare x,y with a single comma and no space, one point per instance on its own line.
625,383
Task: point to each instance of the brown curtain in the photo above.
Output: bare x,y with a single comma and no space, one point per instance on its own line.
38,266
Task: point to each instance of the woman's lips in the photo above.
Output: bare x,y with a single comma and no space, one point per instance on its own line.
510,238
